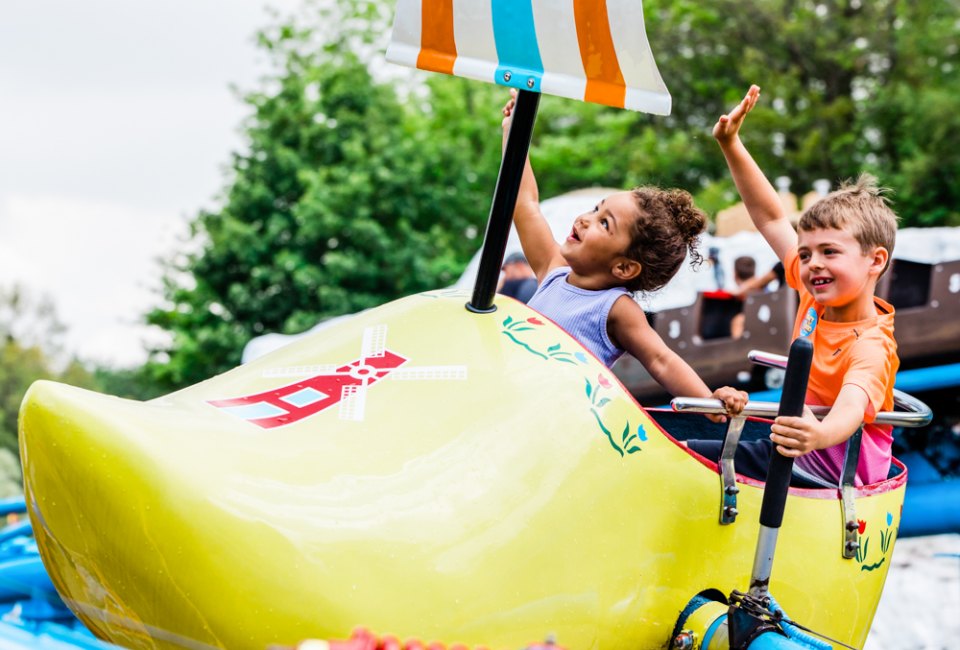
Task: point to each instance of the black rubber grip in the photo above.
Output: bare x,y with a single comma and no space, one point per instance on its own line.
791,403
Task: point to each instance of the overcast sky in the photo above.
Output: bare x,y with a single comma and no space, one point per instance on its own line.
117,120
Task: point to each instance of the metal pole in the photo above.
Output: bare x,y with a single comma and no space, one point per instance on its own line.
504,201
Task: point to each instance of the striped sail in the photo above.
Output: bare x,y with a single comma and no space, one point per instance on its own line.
591,50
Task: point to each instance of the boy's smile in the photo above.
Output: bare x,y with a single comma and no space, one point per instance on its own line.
839,275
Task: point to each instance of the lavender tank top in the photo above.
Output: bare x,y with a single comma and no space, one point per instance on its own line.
581,312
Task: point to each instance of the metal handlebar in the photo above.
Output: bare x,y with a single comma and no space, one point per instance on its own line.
914,414
920,416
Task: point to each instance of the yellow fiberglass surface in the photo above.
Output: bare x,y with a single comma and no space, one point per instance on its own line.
421,471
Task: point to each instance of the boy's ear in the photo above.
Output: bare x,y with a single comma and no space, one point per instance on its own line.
879,258
626,269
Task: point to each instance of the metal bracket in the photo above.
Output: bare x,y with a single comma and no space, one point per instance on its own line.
851,458
728,473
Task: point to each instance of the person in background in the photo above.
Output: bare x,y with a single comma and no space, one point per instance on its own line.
744,268
713,259
518,280
758,282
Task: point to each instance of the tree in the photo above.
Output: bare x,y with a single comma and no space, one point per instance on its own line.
361,184
847,86
30,349
345,199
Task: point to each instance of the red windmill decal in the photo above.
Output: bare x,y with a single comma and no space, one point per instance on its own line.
345,385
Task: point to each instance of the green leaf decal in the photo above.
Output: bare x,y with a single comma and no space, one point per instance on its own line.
524,345
603,402
553,348
871,567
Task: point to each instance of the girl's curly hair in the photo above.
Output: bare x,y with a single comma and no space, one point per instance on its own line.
669,227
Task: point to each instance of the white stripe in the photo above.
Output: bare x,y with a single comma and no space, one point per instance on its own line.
449,373
473,34
658,103
300,371
559,49
353,400
374,342
645,88
404,47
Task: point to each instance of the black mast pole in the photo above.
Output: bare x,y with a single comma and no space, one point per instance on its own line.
504,201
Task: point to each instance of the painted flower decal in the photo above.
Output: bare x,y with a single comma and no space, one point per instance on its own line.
534,320
629,442
862,526
886,542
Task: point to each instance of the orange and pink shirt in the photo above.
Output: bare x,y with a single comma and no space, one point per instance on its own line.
862,353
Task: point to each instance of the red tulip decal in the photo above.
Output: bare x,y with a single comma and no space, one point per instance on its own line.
862,527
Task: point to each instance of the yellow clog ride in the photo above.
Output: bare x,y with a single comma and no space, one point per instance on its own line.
419,470
425,470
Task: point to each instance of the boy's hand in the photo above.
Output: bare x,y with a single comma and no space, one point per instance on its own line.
734,400
796,436
728,126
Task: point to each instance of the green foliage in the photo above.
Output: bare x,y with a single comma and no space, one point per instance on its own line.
29,350
11,478
347,198
847,86
355,189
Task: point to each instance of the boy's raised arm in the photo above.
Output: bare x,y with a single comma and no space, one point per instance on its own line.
759,196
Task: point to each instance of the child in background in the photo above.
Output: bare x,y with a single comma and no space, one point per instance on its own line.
631,241
841,248
744,268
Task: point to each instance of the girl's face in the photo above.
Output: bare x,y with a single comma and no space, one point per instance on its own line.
837,273
599,237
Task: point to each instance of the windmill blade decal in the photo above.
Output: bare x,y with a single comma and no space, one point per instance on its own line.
591,50
300,371
374,342
322,386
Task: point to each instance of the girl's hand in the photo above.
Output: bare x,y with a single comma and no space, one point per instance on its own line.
728,126
508,111
734,400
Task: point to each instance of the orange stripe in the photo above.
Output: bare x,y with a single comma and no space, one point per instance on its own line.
605,83
438,50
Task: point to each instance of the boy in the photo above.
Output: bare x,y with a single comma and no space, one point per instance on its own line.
834,260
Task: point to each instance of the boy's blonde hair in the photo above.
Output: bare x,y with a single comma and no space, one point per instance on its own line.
859,208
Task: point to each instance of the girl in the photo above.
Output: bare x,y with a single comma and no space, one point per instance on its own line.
631,241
